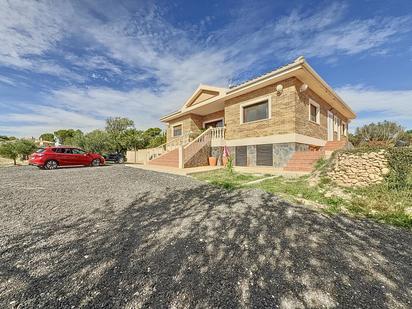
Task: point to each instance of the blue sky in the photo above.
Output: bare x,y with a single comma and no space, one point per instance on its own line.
71,64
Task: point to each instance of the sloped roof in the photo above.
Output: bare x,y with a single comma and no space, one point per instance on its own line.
295,68
202,89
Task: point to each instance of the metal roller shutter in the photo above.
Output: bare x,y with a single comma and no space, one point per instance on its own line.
264,155
241,155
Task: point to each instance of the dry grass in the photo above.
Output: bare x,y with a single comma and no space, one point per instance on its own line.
8,162
378,202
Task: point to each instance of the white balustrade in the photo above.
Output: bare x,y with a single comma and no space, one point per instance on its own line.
218,133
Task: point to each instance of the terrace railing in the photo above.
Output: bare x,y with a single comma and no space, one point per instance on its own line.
218,133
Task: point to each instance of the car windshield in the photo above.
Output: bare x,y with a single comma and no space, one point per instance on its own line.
40,150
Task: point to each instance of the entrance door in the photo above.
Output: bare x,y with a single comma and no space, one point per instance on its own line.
214,124
330,126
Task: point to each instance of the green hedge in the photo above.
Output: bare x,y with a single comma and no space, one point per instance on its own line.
400,165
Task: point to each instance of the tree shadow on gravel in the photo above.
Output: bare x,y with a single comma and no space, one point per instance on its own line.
207,247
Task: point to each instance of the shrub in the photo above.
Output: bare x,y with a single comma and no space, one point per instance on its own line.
400,165
229,165
9,150
25,148
384,133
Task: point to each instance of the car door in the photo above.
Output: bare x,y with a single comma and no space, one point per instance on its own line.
59,156
62,156
81,157
69,157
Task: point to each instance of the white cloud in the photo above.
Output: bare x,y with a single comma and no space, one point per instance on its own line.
378,105
6,80
29,28
175,60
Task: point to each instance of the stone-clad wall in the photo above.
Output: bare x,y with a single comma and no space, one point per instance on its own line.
359,169
282,118
190,123
201,158
282,152
309,128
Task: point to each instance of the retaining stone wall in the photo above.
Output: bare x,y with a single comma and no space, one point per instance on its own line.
359,169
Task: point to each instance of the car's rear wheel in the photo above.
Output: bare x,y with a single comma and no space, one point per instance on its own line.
120,160
95,162
51,165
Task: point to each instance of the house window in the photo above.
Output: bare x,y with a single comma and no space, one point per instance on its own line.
335,123
314,112
177,130
255,112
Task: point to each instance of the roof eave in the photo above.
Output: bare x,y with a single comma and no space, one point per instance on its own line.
325,84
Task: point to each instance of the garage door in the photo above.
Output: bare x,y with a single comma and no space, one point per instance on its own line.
264,155
241,155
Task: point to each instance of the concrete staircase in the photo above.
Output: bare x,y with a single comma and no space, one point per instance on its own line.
190,150
170,159
334,145
303,161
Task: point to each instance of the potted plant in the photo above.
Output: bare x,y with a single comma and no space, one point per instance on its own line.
212,161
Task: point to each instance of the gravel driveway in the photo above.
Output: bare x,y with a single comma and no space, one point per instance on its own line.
119,237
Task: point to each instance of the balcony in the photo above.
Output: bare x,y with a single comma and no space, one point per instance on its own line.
218,136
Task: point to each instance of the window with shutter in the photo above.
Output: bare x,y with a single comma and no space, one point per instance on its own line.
264,155
241,155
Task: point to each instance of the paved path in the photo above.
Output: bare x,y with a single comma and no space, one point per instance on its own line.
119,237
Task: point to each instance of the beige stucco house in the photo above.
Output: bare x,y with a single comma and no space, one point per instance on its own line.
286,118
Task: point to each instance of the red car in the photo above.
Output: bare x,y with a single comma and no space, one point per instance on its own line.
52,157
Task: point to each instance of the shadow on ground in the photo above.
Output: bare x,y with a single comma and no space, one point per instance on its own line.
206,247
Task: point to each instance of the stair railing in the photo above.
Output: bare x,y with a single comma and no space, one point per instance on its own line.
197,144
153,153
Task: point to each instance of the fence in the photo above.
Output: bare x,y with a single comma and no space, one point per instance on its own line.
137,156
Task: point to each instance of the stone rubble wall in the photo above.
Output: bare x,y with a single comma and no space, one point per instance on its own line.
201,158
358,169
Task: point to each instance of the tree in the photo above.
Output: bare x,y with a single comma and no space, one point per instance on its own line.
354,139
382,133
76,139
153,132
48,137
97,141
4,138
157,141
9,150
409,136
64,134
134,139
25,148
117,129
118,125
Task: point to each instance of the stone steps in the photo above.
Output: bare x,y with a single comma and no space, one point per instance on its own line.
303,161
170,158
334,145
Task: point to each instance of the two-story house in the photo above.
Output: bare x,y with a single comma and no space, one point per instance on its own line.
286,118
